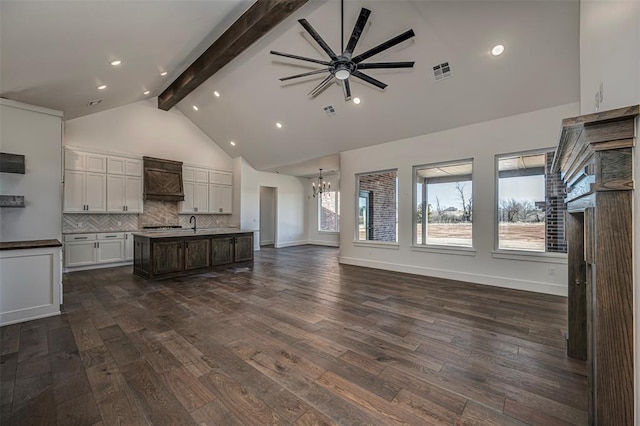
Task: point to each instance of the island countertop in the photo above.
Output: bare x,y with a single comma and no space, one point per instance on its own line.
187,232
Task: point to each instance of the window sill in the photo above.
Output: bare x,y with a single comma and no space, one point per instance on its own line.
377,244
560,258
329,232
458,251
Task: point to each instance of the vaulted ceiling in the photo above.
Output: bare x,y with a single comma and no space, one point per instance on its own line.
55,53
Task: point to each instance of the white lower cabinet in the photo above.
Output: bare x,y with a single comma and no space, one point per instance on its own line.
128,246
93,249
79,253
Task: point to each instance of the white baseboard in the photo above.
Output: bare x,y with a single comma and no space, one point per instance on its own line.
325,243
266,243
8,318
516,284
98,266
291,244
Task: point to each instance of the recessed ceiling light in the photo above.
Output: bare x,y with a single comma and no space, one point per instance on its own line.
497,50
102,87
195,107
146,92
232,143
163,73
279,125
356,101
216,94
116,62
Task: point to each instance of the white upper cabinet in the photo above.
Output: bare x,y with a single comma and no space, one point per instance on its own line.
206,191
97,183
84,161
220,178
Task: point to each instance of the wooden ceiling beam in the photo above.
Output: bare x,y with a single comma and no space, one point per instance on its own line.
259,19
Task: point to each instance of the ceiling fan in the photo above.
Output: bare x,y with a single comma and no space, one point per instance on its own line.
344,66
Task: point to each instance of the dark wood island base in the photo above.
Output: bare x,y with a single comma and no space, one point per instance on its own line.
172,254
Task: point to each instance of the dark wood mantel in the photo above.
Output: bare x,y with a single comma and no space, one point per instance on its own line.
595,159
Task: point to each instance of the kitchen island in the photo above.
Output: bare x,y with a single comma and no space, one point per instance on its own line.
184,252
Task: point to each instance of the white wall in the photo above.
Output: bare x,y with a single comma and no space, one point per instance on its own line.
609,53
482,141
37,134
291,223
316,237
143,129
267,215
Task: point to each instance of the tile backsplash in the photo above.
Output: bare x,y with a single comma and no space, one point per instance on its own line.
159,213
155,213
99,222
206,220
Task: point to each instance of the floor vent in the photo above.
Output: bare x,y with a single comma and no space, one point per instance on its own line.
330,110
442,71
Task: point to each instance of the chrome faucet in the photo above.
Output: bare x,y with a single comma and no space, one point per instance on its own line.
195,222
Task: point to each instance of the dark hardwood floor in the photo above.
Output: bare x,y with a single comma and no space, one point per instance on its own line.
297,339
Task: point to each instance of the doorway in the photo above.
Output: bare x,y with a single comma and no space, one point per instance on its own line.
268,215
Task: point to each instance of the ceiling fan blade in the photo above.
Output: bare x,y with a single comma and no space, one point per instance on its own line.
379,65
302,58
320,87
357,31
305,74
307,26
384,46
369,79
346,88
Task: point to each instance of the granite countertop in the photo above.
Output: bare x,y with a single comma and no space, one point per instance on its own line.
99,232
32,244
188,232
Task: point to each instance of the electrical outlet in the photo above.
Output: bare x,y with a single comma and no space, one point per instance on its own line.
79,225
119,223
552,272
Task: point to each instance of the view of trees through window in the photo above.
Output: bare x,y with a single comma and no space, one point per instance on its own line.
445,193
522,202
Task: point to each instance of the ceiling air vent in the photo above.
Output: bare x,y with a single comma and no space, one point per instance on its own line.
329,110
442,71
94,102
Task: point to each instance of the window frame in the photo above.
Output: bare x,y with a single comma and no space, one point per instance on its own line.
319,210
440,248
356,235
514,254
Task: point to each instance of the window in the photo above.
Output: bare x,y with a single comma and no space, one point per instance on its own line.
377,206
530,203
443,204
329,212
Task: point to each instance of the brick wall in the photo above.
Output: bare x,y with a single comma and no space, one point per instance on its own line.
383,189
554,210
329,211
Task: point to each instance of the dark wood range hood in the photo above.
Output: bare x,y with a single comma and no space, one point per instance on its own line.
162,180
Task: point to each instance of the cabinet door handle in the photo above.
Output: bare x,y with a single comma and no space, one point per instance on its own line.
110,236
126,208
80,238
126,236
195,209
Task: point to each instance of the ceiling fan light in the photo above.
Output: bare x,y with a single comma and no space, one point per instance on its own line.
342,74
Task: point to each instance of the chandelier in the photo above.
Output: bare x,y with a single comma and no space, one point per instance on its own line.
322,186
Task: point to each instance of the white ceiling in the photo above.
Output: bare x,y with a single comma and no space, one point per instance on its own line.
55,53
540,68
